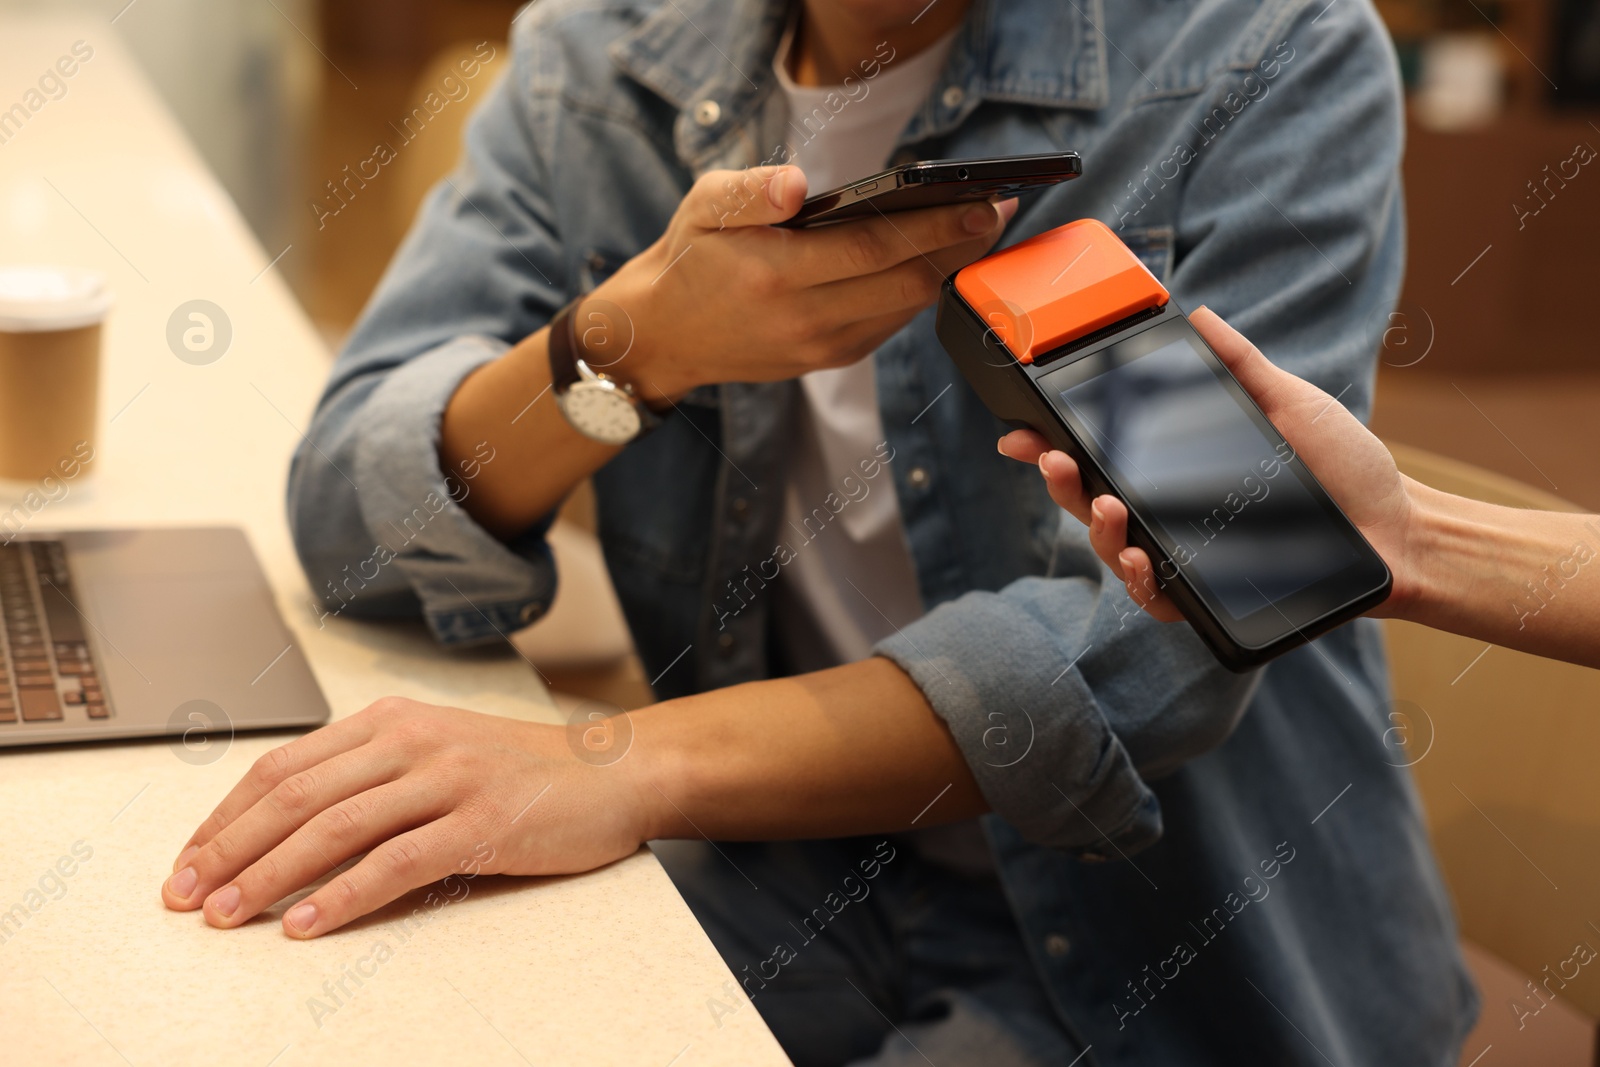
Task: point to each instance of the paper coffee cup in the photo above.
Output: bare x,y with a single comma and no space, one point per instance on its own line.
50,319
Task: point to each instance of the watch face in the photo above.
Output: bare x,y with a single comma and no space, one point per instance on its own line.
602,411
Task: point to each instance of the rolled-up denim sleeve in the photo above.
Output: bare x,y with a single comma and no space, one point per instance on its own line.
377,523
1064,698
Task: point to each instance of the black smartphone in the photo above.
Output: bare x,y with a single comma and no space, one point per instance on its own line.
1244,539
933,183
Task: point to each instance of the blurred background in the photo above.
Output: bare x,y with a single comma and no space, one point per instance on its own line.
1488,358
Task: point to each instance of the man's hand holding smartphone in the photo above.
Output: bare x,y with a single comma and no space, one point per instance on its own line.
724,295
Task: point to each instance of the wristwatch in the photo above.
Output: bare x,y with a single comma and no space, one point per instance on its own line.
596,405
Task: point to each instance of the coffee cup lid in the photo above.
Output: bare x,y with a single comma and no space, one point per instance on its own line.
36,299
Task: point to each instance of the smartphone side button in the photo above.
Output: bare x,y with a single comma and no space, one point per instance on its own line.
863,190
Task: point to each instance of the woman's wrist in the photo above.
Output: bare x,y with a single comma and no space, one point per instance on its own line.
1449,558
1487,570
1418,585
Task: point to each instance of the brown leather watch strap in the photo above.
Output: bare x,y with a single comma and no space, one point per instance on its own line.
563,345
564,373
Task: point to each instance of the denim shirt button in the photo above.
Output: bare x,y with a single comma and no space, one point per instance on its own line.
953,96
918,477
741,508
1090,856
707,112
725,643
1056,946
530,611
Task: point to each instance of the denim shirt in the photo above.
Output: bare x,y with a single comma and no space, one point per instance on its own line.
1206,867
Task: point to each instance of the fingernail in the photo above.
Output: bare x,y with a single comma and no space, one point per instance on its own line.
776,185
184,858
302,917
1042,469
182,884
1007,208
225,901
1000,447
979,219
1097,515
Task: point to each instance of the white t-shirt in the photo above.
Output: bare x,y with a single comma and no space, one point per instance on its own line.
851,582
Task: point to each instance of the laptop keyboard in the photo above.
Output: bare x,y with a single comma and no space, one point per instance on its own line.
46,668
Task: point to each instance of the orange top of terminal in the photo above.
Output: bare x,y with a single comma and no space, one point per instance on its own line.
1051,289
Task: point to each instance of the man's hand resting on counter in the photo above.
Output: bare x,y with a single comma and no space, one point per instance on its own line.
421,789
418,788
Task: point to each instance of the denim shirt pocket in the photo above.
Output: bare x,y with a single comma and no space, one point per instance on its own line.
645,534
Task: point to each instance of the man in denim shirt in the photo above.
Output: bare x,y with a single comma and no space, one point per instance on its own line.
1183,865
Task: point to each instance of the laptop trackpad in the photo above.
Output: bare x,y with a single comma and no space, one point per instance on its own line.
169,640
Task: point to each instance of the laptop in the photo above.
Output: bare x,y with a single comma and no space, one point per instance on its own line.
140,633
